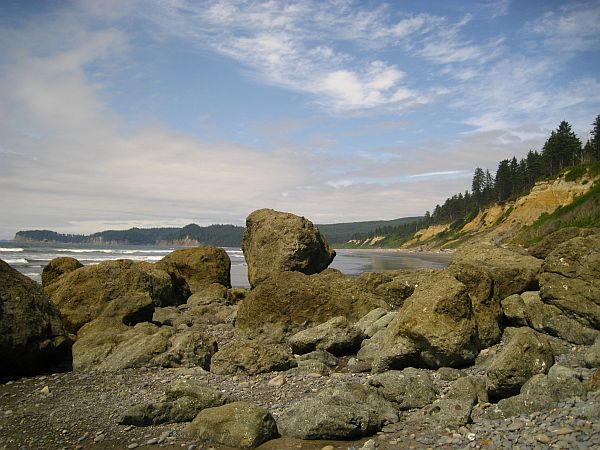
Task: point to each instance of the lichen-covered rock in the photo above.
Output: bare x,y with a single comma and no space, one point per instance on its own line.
251,357
199,266
32,337
592,355
526,354
491,274
570,279
106,344
288,302
183,400
121,289
336,336
344,411
277,241
409,388
438,321
239,424
57,268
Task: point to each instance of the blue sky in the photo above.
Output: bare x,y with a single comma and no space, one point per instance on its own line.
138,113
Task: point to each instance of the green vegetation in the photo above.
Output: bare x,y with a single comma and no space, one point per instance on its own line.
339,233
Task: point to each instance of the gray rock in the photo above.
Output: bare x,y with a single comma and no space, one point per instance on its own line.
125,290
106,344
409,388
184,399
553,240
319,355
251,357
592,355
57,268
450,374
492,273
337,336
570,279
198,267
344,411
289,302
526,354
380,324
311,366
370,318
239,424
32,337
437,321
277,241
513,308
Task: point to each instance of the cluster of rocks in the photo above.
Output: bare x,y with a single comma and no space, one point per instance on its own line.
488,338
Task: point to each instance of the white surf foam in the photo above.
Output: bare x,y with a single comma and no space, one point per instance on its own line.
5,249
16,261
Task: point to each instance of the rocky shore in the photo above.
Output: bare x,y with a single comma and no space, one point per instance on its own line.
499,350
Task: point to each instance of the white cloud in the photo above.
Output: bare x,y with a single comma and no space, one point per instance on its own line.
573,28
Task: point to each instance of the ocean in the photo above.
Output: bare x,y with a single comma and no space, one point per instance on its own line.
30,258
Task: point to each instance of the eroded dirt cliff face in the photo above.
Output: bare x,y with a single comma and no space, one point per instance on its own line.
501,222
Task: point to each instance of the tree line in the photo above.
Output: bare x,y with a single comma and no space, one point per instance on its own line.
513,178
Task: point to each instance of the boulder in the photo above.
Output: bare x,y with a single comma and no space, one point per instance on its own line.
319,355
393,286
409,388
437,321
277,241
251,357
453,410
342,411
198,266
312,367
570,279
288,302
184,399
492,273
592,355
106,344
57,268
541,392
336,336
239,424
550,320
121,289
32,337
527,353
550,242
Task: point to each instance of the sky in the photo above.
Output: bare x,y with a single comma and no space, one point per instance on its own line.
120,113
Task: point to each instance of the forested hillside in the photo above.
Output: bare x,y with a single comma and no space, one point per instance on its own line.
562,153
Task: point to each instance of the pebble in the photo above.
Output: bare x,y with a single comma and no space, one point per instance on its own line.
542,438
328,447
279,380
133,445
100,438
563,431
45,390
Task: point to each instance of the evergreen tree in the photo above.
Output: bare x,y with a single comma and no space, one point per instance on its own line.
562,149
478,186
594,142
503,180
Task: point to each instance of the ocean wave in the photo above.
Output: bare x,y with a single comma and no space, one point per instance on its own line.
5,249
132,252
85,250
16,261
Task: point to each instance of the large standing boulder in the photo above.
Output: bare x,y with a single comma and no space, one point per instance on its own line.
199,266
32,337
570,279
106,344
239,424
57,268
437,321
342,411
123,289
492,273
277,241
251,358
526,354
288,302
